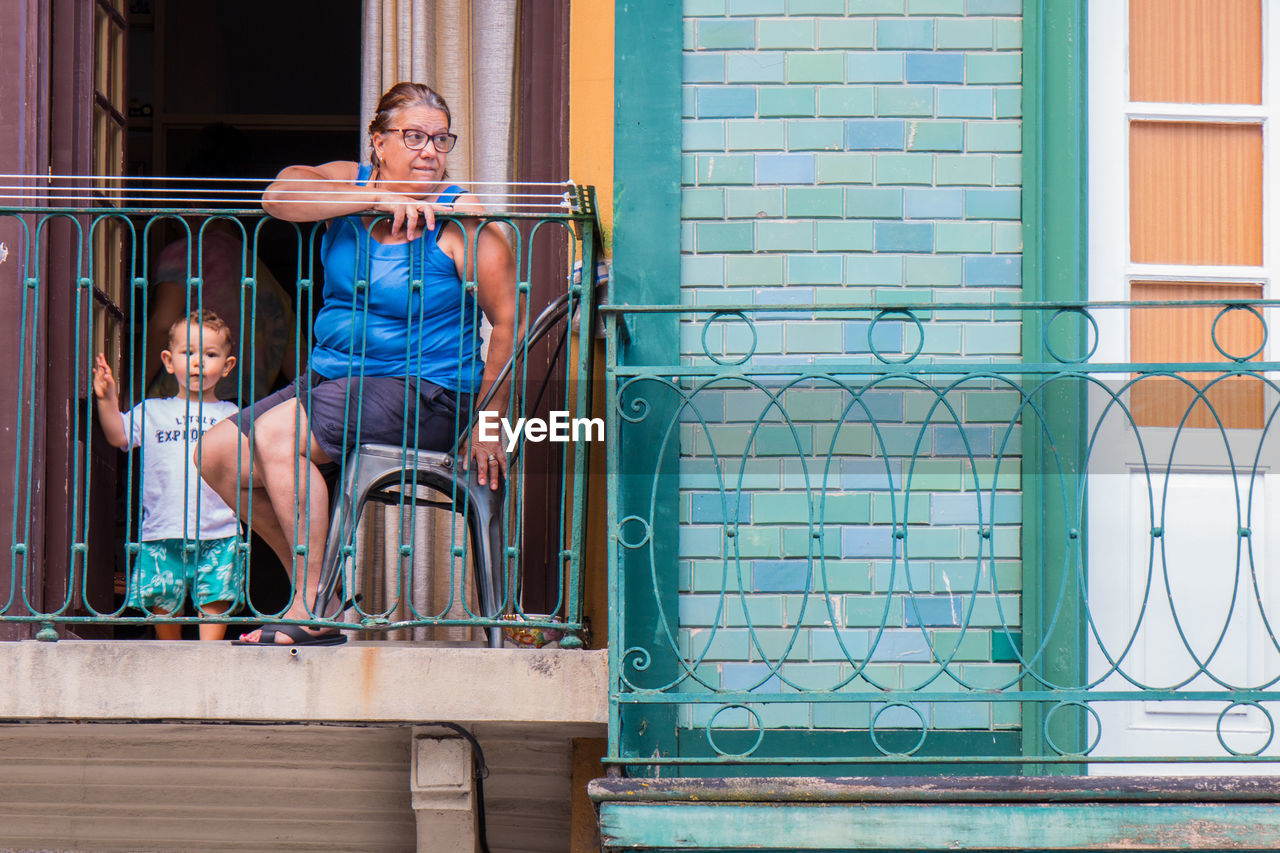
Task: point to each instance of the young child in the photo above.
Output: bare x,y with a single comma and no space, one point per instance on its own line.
177,507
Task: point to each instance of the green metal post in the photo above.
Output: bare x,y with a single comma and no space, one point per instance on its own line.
1055,216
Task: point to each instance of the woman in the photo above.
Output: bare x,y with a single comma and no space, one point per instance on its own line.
375,344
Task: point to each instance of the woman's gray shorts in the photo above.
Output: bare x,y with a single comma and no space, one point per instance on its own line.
345,413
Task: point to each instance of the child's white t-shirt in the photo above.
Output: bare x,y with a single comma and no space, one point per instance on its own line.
167,430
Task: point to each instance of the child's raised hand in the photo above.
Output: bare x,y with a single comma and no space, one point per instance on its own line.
104,381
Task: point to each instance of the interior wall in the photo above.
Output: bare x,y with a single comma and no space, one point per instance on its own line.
290,82
245,56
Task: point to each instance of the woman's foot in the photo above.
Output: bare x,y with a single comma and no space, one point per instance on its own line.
290,635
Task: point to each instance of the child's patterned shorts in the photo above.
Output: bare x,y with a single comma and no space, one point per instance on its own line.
165,572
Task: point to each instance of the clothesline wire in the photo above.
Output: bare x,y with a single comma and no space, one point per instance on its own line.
154,202
44,177
508,196
248,193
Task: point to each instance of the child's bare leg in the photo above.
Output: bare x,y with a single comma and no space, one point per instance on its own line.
213,630
166,630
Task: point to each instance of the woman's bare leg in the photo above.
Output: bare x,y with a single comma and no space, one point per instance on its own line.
287,456
224,450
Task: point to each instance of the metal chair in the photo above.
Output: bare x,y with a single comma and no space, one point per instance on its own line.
373,470
385,473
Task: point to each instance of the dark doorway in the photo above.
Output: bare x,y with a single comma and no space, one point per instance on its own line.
286,84
239,89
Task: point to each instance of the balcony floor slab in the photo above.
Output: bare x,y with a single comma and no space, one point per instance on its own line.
368,682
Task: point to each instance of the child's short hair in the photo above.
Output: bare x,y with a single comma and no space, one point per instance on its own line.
205,319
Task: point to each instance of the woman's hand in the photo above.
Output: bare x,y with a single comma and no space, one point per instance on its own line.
406,211
489,458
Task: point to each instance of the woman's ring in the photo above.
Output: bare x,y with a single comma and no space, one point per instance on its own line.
493,457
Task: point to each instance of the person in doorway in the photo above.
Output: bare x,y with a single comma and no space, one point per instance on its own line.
219,253
219,263
397,355
188,534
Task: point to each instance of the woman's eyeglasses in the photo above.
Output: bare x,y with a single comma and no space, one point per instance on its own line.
416,140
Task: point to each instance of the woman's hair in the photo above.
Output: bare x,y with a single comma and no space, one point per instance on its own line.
398,97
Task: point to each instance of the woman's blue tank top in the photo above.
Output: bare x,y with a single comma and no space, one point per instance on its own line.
397,310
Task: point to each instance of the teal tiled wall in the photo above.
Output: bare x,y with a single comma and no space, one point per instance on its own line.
805,116
850,151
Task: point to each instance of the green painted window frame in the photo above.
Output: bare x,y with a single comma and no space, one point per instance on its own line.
1054,268
647,110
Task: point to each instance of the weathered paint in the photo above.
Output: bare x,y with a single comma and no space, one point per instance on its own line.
942,789
896,826
357,682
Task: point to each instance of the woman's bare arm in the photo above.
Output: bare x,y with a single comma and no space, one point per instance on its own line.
492,266
316,193
496,293
313,193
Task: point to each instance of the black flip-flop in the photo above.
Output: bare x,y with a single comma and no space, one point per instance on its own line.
299,635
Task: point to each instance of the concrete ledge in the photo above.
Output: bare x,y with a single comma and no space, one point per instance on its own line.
947,813
358,682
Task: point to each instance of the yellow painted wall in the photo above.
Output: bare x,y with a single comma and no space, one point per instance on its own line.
591,102
591,163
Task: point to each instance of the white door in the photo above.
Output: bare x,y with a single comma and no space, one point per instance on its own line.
1183,556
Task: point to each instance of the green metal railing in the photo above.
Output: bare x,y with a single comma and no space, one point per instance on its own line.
81,280
868,538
